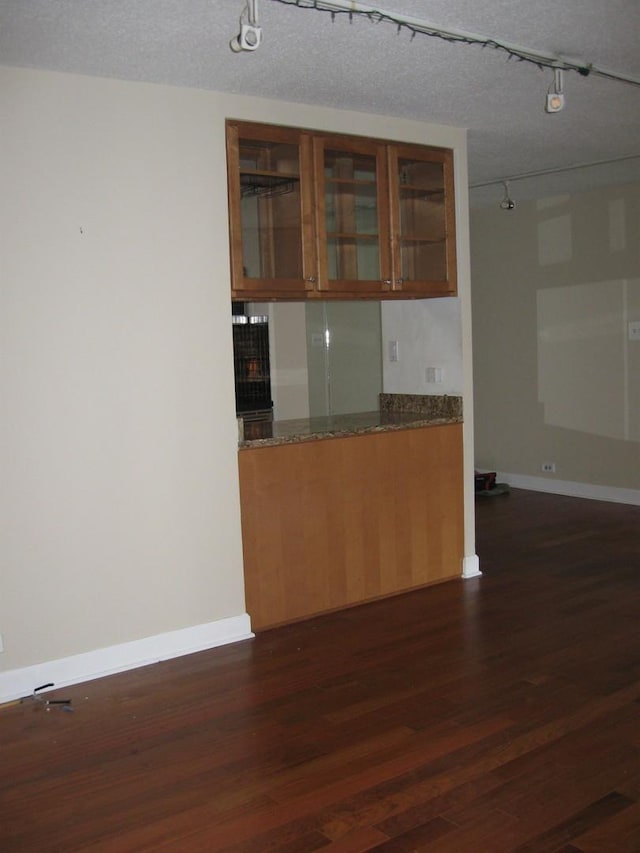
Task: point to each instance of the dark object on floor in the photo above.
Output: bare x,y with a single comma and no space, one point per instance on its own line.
486,485
485,481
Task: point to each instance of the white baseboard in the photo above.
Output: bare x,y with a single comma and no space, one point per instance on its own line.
471,567
16,683
566,487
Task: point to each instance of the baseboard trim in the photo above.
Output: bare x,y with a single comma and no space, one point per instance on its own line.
566,487
471,567
63,672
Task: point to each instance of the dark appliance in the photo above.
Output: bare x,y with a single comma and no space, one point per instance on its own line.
251,367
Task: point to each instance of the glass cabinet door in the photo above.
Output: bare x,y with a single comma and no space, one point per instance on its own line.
421,182
271,208
313,213
352,215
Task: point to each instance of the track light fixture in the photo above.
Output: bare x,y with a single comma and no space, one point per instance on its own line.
250,34
507,202
555,97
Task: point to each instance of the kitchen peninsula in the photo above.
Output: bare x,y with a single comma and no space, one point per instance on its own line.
341,510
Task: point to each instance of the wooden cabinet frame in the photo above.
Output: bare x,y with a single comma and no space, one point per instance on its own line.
313,281
446,285
346,228
268,287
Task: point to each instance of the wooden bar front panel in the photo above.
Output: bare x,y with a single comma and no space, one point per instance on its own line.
335,522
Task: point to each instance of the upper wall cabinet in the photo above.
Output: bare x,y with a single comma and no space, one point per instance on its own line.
423,243
352,216
316,215
270,212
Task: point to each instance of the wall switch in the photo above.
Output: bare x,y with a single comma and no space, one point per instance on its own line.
317,339
634,330
434,374
394,354
1,644
549,467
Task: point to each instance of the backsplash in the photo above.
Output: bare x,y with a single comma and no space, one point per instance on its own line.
433,405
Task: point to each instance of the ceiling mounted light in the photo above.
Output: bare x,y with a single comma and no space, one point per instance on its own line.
507,202
555,95
250,34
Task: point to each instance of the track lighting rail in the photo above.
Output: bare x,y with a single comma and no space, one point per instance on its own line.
418,26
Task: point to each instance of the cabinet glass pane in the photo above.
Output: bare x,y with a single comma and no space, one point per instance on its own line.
347,256
351,216
270,210
422,237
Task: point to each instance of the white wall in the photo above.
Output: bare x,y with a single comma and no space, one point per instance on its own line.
118,435
555,284
429,334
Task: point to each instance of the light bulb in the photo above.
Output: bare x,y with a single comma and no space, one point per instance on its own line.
555,102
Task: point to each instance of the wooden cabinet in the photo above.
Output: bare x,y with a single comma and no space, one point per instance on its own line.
352,216
318,215
422,220
335,522
270,212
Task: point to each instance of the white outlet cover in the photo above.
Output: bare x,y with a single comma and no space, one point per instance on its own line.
634,330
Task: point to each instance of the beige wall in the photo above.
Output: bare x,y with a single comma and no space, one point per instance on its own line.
119,486
288,357
119,501
554,285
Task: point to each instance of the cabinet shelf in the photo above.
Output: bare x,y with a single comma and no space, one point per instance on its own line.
351,182
419,192
417,240
266,184
350,235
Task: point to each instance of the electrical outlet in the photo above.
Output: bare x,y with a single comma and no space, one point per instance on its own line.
634,330
1,644
549,467
394,353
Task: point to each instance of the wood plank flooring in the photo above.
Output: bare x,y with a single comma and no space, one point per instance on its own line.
491,715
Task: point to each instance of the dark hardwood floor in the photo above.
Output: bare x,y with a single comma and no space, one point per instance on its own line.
496,714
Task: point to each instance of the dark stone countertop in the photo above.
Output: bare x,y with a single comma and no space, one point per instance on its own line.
397,411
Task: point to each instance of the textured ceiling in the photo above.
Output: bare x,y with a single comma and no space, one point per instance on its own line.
306,56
